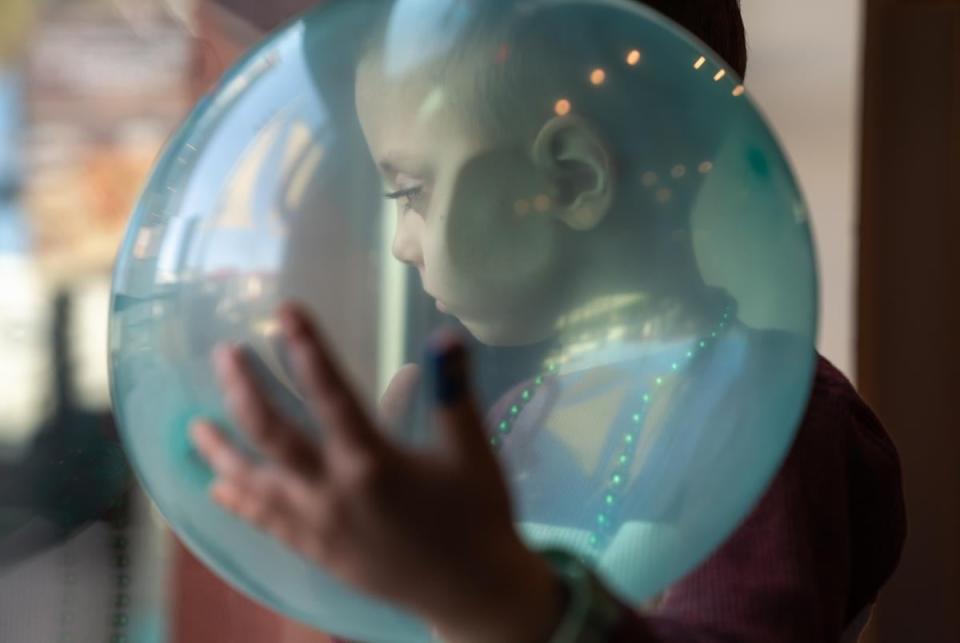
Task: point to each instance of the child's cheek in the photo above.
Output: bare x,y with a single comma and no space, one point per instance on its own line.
497,232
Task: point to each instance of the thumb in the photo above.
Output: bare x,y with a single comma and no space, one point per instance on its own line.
455,412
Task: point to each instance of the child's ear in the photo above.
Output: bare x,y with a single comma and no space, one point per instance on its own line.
576,163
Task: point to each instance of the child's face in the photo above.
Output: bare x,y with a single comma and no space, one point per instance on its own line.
473,216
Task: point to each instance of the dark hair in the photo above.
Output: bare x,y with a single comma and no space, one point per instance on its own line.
718,23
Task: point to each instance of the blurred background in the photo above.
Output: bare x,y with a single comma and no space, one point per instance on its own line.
865,95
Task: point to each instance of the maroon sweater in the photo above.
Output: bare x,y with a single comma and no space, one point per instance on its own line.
814,552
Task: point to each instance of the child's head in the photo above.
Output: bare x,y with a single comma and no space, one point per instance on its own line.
514,188
718,23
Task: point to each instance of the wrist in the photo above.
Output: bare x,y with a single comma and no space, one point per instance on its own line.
524,604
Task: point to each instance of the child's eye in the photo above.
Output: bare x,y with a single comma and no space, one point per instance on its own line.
410,198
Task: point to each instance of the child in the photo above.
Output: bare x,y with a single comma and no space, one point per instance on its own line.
803,567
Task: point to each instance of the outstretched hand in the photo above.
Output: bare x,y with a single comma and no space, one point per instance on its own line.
429,530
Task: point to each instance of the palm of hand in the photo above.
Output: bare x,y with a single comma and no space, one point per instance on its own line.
429,530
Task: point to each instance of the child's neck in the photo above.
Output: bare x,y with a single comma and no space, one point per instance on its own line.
638,316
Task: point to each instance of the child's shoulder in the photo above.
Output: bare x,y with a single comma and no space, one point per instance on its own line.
843,450
836,411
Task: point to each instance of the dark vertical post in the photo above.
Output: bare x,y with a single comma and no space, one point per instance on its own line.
909,296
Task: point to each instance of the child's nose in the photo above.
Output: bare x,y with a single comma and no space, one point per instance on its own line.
406,241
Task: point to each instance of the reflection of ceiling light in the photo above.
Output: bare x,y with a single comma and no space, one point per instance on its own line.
267,328
254,287
562,108
700,62
144,246
720,74
634,57
616,332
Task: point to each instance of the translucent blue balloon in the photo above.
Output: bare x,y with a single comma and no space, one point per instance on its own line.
582,186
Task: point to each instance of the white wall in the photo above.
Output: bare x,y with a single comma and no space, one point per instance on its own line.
804,71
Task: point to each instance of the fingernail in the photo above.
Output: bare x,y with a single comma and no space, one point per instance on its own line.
291,322
223,495
197,431
449,373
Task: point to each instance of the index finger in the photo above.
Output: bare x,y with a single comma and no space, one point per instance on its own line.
328,394
251,408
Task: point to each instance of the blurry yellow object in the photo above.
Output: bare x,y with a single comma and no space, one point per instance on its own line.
15,19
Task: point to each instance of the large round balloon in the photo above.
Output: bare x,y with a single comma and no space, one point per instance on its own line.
582,186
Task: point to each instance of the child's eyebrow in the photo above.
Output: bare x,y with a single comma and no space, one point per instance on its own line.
396,163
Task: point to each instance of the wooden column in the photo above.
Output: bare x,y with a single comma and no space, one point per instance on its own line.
909,296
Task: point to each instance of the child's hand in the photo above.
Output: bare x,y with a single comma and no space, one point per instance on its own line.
430,531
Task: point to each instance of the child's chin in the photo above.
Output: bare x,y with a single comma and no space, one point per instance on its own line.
501,334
